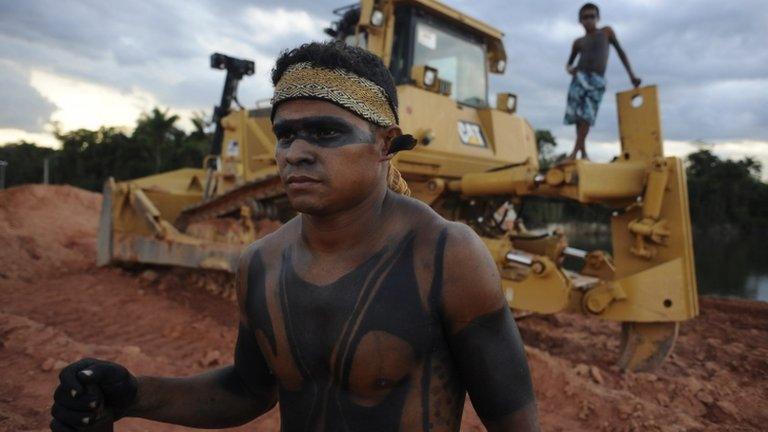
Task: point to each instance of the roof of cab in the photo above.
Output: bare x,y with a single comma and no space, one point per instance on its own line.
477,25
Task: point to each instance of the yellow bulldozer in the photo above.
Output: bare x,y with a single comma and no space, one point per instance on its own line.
473,162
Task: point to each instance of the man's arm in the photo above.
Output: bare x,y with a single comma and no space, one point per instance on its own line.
574,52
225,397
484,340
615,42
230,396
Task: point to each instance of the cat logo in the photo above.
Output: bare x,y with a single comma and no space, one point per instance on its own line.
471,134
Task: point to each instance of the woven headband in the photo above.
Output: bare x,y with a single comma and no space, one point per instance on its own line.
341,87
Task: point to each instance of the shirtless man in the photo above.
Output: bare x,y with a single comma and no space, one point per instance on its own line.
588,82
367,312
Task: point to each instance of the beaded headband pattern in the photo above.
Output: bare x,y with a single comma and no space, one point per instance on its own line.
346,89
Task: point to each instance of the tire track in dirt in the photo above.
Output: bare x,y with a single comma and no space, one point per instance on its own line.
26,343
94,312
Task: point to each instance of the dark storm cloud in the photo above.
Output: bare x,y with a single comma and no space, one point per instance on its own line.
708,58
119,44
130,32
319,8
24,108
160,46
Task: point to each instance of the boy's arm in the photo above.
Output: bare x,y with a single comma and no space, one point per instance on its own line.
615,42
483,338
574,52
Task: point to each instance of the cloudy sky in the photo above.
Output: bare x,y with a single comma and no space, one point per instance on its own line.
89,63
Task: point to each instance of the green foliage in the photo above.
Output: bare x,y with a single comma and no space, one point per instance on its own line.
726,192
25,162
88,157
546,144
158,129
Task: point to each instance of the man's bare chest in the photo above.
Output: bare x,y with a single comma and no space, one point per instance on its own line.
367,349
369,328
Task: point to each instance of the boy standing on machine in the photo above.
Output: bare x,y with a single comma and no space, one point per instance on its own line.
588,83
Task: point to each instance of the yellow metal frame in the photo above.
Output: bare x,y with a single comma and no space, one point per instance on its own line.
651,277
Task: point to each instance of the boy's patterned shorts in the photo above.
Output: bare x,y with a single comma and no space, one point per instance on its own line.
584,97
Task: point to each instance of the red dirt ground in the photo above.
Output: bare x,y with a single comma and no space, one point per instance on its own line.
56,306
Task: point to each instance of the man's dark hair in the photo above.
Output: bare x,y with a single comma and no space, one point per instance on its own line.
588,6
337,54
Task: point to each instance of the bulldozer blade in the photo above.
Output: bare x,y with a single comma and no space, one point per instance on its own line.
645,345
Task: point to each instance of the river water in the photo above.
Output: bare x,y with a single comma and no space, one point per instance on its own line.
732,268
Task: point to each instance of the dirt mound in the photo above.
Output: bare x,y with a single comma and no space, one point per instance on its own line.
46,229
56,307
697,388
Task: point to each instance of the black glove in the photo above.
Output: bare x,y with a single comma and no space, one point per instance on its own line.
89,391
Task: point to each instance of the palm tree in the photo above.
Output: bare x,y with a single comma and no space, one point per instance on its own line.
201,122
546,144
159,129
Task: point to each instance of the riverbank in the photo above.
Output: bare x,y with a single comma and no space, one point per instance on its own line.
56,306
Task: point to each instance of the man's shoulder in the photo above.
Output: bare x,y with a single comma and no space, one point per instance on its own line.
419,217
260,255
608,30
471,280
463,245
268,248
459,243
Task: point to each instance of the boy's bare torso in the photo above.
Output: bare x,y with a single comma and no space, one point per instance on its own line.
593,51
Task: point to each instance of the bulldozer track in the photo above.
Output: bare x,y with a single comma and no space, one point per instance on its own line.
231,201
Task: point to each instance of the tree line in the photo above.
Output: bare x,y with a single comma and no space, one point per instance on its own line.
723,193
88,157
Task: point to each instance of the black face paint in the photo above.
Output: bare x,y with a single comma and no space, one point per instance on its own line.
322,131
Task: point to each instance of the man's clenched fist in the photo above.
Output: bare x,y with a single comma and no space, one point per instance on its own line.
91,390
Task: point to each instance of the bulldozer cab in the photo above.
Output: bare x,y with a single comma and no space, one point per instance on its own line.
424,32
440,60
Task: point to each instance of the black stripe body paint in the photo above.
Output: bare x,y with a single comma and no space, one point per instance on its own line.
322,131
491,358
370,352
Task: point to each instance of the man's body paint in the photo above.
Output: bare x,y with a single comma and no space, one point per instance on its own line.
374,349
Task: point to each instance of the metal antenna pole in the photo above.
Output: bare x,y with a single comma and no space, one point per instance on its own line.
3,164
46,170
236,70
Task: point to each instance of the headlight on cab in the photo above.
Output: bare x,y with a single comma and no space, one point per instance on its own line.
506,102
430,75
377,18
426,77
